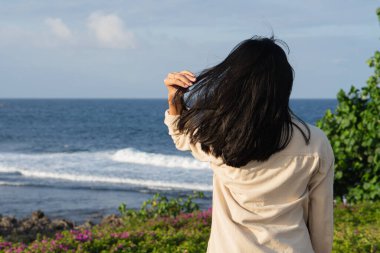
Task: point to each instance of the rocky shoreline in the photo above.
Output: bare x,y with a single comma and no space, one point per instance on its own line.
38,224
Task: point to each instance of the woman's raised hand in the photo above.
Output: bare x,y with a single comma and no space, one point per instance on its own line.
175,80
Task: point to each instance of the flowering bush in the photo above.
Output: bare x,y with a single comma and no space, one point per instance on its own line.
159,226
357,229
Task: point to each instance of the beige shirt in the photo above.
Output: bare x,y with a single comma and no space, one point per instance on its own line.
284,204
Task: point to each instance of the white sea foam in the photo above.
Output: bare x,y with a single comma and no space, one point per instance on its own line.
8,169
126,166
130,155
153,184
4,183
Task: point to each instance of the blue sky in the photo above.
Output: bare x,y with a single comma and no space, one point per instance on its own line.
124,49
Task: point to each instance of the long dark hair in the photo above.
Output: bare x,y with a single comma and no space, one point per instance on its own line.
239,109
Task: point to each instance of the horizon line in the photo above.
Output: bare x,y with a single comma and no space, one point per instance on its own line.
116,98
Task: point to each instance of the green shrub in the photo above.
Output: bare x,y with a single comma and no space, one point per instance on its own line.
160,205
354,132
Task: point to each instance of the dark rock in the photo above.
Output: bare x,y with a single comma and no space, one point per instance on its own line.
25,225
36,215
28,229
112,220
43,221
7,224
87,225
61,224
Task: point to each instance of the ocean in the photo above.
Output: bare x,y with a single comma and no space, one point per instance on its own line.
81,158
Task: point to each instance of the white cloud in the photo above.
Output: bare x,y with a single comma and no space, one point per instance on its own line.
59,28
110,31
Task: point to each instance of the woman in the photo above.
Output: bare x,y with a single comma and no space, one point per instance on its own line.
273,173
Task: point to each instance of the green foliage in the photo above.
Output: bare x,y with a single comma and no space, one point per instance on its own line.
160,205
356,229
152,232
354,132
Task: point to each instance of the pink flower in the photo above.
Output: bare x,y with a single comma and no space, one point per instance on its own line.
82,236
63,247
74,232
58,236
123,235
205,214
188,215
20,248
4,245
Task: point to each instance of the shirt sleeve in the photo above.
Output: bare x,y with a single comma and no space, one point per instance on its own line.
321,204
182,141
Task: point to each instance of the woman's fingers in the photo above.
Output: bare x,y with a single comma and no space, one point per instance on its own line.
187,72
183,79
172,81
190,74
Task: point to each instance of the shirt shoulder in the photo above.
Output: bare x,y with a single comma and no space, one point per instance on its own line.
318,146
